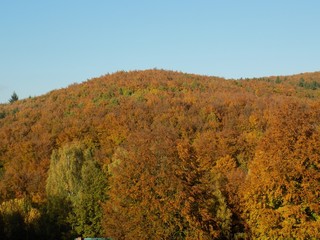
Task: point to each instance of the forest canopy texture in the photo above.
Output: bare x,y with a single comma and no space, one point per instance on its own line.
163,155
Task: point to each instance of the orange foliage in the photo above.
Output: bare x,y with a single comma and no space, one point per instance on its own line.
190,157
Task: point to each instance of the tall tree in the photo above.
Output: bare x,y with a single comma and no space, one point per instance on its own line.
204,206
143,190
75,178
161,190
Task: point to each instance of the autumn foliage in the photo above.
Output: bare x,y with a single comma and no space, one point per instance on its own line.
163,155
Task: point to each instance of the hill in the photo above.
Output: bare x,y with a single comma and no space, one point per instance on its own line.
164,155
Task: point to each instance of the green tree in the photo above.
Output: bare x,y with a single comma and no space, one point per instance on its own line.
278,80
14,97
76,179
86,216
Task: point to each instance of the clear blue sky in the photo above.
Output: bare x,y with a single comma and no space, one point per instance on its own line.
46,45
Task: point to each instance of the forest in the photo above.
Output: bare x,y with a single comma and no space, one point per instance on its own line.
159,154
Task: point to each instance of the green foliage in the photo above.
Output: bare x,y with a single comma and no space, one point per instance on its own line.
313,85
87,214
78,181
64,174
2,114
14,98
301,82
125,91
278,80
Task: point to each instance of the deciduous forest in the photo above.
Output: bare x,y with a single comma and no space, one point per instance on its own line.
160,154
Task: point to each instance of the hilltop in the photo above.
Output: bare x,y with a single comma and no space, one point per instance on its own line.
171,155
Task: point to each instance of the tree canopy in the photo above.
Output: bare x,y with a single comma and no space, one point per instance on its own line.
163,155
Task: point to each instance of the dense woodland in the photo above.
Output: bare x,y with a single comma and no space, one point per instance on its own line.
163,155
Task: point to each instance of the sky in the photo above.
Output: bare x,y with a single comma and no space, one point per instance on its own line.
47,45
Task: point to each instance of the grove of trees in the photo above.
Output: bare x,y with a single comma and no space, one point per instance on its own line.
163,155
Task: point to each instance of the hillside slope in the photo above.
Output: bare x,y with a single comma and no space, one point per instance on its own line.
185,157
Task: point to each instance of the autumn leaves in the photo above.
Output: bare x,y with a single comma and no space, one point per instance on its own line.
166,155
